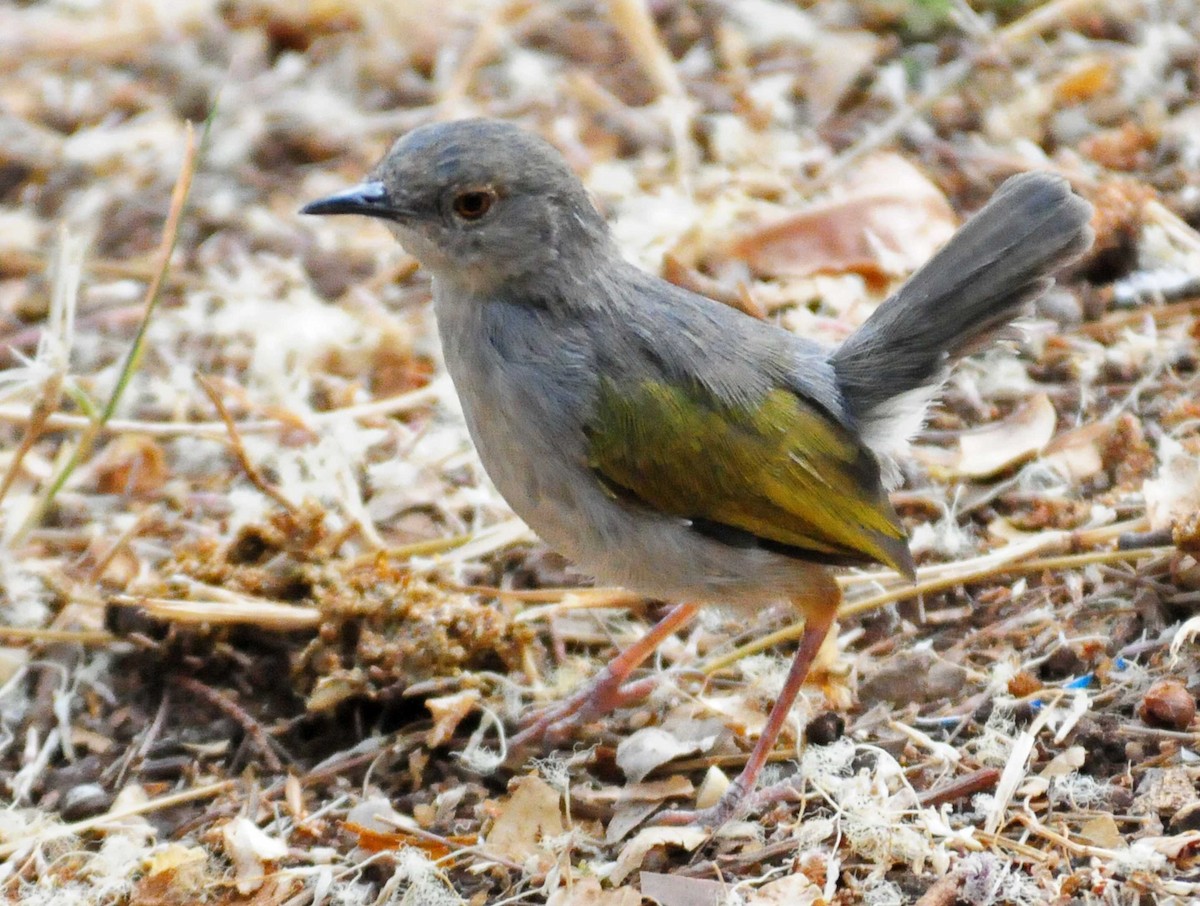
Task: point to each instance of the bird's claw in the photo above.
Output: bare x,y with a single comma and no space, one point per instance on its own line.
736,802
603,694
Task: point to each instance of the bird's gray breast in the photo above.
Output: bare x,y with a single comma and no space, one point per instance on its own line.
524,376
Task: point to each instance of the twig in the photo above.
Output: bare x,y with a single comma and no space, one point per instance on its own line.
632,19
232,709
453,847
960,787
147,515
239,449
74,636
256,611
62,421
992,571
1079,849
43,835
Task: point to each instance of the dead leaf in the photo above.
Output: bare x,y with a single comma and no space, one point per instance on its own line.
331,690
743,712
674,787
1172,847
634,852
377,814
587,892
674,270
173,857
1078,454
179,874
646,749
1164,791
712,788
1006,443
532,813
1087,77
12,660
249,848
1174,493
1102,830
888,220
678,890
132,464
1065,763
838,59
448,712
626,817
793,890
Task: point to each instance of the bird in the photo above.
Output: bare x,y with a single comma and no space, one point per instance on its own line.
668,443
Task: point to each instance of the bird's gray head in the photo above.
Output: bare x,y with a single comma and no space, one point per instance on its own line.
480,203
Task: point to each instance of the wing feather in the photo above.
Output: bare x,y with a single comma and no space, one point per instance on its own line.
782,472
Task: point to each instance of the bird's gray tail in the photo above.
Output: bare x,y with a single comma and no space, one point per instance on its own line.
1000,259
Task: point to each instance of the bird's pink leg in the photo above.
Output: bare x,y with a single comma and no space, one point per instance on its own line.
607,690
820,611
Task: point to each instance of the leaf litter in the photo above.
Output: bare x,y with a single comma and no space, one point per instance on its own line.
265,624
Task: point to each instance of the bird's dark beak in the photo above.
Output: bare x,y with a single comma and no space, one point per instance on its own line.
369,199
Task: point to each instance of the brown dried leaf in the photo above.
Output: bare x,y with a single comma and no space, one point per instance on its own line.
633,20
587,892
1079,454
646,749
173,857
1101,830
132,464
1174,492
448,712
1004,444
330,691
838,59
1164,791
793,890
712,788
674,787
249,848
1087,78
678,890
532,813
889,220
636,850
674,270
1127,147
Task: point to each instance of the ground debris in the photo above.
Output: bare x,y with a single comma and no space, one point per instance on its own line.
265,628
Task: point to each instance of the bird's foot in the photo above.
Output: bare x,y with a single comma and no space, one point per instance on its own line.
607,691
736,802
603,694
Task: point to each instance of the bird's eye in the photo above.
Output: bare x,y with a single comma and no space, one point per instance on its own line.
473,204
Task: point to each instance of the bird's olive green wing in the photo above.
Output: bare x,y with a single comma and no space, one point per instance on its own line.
782,471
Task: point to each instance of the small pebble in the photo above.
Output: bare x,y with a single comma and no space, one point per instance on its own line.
1186,819
1062,663
1168,705
824,729
1023,683
84,801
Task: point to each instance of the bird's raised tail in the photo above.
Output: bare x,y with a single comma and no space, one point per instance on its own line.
1000,259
